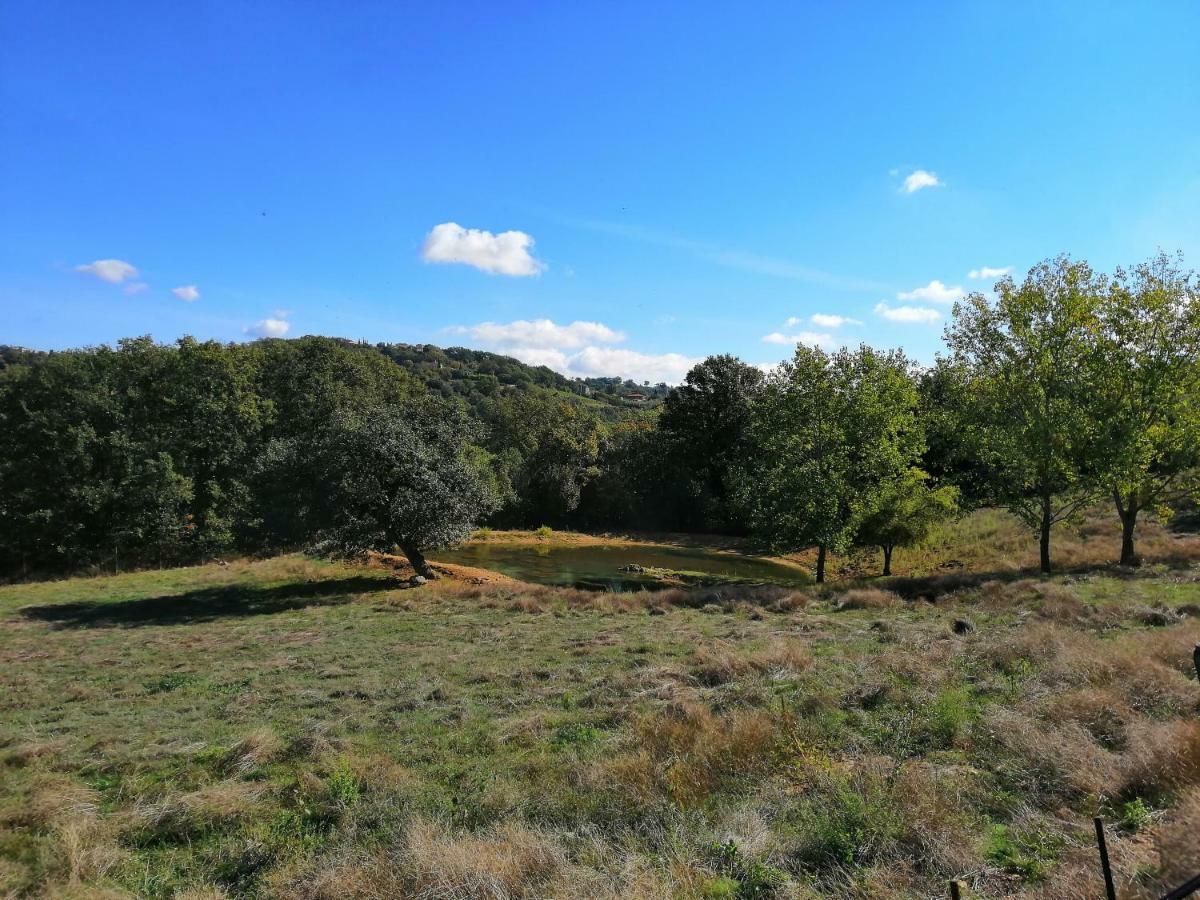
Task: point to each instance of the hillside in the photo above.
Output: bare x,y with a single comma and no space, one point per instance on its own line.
476,374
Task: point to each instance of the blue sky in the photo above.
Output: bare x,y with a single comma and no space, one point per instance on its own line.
624,187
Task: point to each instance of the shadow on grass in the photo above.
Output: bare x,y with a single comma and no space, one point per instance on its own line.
205,604
933,587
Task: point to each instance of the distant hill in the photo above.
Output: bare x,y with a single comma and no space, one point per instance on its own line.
475,374
457,371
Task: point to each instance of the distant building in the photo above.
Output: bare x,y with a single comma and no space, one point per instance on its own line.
635,396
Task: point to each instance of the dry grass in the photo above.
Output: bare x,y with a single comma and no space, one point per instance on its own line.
867,598
687,753
503,741
722,662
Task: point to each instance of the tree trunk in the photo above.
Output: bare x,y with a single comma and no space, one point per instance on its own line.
1044,542
820,563
887,560
1129,556
417,558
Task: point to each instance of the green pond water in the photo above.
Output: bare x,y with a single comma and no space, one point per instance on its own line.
599,566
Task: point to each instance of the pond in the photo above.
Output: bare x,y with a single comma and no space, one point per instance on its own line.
598,566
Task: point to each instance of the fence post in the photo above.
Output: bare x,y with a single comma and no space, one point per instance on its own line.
955,890
1196,660
1109,890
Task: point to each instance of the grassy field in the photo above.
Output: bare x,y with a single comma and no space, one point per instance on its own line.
300,729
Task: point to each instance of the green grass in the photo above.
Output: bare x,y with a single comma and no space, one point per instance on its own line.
296,728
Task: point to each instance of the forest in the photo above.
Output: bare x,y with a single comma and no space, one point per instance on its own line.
1062,390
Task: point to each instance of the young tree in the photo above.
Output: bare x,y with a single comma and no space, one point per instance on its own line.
906,510
1033,355
1149,392
831,430
386,478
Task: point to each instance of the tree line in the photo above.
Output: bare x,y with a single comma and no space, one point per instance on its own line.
1066,388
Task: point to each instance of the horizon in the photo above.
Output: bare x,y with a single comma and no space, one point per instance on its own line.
611,194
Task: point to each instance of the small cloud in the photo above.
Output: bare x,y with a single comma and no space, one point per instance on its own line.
188,292
809,338
274,327
135,287
506,253
114,271
934,292
990,272
829,320
909,315
919,180
541,333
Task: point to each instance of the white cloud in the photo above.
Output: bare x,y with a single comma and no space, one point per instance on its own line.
907,314
506,253
114,271
572,349
609,361
275,327
810,338
990,272
187,292
920,179
135,287
934,292
829,320
541,333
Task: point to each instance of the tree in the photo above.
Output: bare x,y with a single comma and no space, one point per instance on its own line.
831,430
906,510
1032,355
1149,390
546,449
391,477
707,419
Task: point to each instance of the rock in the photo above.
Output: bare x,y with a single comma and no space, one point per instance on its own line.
417,580
962,626
656,611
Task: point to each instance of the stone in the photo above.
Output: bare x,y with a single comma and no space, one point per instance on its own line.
417,580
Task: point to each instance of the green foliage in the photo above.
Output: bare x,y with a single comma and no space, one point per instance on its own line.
576,733
829,432
1146,387
343,785
706,422
1027,852
845,824
395,477
747,878
1134,814
905,511
1032,355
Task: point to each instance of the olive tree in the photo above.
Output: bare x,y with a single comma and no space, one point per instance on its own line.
393,477
831,430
